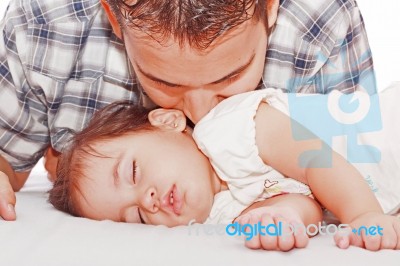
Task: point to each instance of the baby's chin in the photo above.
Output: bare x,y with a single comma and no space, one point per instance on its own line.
182,222
198,218
202,216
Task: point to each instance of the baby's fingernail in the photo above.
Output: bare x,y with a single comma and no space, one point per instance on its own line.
10,208
342,243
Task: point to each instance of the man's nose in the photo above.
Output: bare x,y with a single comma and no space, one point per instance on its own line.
150,200
198,102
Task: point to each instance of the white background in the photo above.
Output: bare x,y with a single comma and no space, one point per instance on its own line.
382,20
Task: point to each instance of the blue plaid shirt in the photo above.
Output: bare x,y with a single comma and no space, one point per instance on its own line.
60,62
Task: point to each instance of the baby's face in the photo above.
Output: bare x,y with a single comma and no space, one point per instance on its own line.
159,177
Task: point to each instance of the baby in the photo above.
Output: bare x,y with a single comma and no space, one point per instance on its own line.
131,165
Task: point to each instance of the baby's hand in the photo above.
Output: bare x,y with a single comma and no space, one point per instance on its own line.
277,231
372,231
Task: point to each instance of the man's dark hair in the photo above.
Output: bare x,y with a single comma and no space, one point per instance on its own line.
195,22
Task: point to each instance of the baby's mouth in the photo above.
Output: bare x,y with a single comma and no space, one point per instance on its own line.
173,200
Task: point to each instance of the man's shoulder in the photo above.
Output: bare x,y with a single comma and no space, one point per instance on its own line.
53,11
313,8
46,32
312,17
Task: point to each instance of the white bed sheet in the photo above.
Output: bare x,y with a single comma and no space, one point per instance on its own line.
43,236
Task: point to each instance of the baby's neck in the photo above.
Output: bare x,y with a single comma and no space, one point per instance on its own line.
219,184
224,185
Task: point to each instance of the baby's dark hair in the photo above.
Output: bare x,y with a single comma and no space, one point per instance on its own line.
115,120
197,23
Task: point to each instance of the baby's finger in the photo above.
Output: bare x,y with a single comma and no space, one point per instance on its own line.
396,227
286,239
343,238
300,236
356,240
389,237
252,239
371,242
268,240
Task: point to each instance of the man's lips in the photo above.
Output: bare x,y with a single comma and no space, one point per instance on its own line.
172,201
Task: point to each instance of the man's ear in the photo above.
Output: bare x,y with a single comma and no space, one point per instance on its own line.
170,119
112,18
272,11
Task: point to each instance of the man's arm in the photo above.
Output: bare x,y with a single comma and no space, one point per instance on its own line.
50,159
23,114
326,49
10,181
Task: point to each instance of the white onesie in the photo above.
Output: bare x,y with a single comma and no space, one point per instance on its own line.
226,135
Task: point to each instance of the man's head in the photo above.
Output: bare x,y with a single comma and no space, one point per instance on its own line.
190,55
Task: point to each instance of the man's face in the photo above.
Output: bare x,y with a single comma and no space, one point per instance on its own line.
194,82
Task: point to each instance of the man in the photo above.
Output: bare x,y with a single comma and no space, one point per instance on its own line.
62,60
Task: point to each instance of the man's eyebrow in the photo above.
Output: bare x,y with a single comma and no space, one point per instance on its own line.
169,84
236,71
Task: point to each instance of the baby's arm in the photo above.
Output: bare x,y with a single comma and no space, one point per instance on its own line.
288,210
340,188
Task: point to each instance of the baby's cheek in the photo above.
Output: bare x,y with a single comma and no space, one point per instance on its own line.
203,208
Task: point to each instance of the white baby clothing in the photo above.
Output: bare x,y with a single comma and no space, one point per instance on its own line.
226,135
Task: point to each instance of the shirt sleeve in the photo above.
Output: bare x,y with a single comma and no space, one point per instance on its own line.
319,46
60,62
23,124
348,66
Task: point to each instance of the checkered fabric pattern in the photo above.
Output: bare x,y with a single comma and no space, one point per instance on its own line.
60,62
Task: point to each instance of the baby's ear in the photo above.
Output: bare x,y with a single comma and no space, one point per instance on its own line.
170,119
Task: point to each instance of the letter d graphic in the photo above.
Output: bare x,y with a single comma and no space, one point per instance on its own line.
235,228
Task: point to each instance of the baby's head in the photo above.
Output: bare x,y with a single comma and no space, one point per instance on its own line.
131,165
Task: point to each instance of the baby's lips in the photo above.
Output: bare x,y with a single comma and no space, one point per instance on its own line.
177,201
176,206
